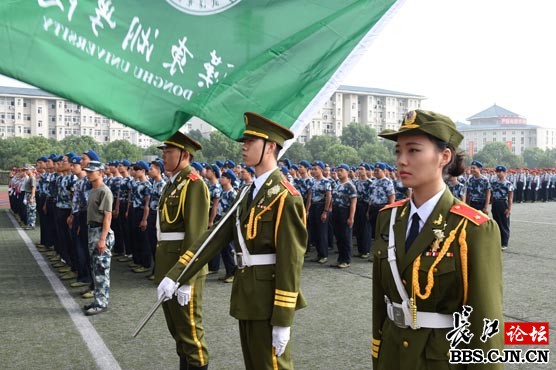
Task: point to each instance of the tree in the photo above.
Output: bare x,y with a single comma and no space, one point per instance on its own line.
78,144
378,152
152,150
494,154
534,157
297,152
121,149
220,147
339,153
356,135
318,144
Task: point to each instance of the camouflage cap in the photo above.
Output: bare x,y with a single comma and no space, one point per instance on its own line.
181,141
427,122
257,126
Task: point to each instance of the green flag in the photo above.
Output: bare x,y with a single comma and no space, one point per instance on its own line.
152,65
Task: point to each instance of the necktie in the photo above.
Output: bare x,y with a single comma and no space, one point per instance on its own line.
413,231
250,195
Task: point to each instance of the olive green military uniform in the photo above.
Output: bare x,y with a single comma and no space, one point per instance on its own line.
478,248
183,208
265,295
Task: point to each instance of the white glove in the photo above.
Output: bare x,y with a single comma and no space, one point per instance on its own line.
280,339
184,294
166,289
25,202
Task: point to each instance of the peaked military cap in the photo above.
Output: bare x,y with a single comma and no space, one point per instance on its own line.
434,124
257,126
181,141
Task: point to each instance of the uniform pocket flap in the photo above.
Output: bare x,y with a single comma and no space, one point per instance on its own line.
264,272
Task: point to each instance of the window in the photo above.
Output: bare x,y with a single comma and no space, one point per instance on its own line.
39,110
39,123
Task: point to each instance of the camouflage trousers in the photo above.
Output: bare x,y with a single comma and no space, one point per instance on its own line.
100,266
31,210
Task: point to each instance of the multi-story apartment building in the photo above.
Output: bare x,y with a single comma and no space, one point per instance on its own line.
32,112
380,109
496,124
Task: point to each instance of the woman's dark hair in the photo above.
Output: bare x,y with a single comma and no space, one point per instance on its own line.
456,166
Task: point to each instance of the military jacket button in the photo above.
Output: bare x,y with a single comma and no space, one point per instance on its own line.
404,282
435,270
378,253
405,343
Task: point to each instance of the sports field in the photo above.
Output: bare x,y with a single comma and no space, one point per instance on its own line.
42,326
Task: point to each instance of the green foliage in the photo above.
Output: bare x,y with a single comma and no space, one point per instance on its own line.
356,135
297,152
78,144
318,144
219,147
152,150
378,152
538,158
494,154
121,149
339,153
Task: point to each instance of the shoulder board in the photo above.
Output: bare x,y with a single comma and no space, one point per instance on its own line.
395,204
193,177
470,213
289,186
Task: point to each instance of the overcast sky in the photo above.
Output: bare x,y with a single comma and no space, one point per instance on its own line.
464,56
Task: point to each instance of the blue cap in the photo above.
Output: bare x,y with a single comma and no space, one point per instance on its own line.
76,159
53,156
305,163
343,166
197,166
115,163
287,163
58,158
501,168
380,165
365,165
389,168
230,164
158,162
219,164
142,165
215,169
477,163
92,155
318,163
230,174
125,163
42,159
295,167
284,170
251,170
70,154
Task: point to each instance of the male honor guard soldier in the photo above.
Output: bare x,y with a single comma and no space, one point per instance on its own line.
270,237
433,254
183,215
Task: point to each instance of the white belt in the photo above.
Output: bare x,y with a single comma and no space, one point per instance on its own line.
170,236
401,316
244,258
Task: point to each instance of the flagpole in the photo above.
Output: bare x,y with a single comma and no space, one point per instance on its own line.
155,307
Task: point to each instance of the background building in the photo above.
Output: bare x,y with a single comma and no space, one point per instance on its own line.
497,124
381,109
33,112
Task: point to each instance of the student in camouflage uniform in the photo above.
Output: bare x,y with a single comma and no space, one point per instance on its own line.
265,292
477,193
456,188
318,208
433,254
65,184
502,199
115,185
139,212
155,174
100,236
381,193
41,200
30,197
361,226
121,207
344,202
215,193
226,199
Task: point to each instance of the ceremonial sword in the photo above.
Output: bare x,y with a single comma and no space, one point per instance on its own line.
155,307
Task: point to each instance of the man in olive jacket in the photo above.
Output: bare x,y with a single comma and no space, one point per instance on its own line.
270,237
183,216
